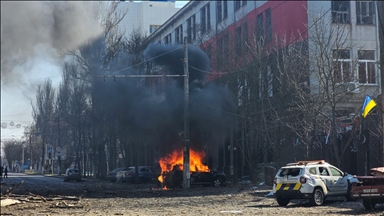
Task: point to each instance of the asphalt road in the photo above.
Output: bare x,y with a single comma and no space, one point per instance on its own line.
39,184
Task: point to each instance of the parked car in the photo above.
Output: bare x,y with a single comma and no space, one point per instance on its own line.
72,174
112,174
146,174
313,180
174,178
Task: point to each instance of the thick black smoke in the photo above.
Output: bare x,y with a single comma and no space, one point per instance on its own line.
155,113
172,56
209,103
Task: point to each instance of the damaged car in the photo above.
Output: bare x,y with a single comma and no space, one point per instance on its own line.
174,178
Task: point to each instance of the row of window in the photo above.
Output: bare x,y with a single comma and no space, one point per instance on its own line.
244,90
263,32
341,13
205,21
366,67
366,73
365,12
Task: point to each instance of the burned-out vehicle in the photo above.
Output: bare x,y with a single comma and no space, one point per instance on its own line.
174,178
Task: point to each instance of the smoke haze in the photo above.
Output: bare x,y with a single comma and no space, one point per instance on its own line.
34,37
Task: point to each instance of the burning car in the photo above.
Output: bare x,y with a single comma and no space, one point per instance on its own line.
174,178
172,171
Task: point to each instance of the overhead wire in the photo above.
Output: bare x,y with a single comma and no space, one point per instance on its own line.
147,60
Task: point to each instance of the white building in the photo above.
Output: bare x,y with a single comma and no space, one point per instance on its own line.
146,15
224,28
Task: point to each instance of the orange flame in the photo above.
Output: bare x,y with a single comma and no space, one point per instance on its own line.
176,158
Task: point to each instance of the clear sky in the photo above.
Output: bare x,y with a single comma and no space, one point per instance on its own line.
181,3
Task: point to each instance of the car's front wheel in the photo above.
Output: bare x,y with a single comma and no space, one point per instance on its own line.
317,197
282,201
349,194
217,181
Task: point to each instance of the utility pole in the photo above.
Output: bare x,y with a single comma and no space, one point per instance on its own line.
186,170
186,167
58,143
380,12
22,156
30,151
231,153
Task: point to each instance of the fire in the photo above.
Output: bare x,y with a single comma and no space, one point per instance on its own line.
176,159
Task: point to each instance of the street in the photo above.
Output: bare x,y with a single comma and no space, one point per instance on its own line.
49,195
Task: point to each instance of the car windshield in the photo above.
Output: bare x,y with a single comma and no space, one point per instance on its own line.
118,169
290,171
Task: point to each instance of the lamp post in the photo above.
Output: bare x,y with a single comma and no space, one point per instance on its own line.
22,154
30,152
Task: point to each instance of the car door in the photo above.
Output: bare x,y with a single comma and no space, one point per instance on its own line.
145,173
340,183
325,176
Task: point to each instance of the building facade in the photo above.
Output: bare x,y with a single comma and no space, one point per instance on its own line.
147,16
230,32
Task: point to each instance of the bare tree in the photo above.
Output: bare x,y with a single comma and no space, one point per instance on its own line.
43,114
12,150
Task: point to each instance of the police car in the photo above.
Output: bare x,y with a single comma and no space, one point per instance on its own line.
313,180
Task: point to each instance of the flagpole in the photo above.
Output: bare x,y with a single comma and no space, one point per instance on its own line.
380,10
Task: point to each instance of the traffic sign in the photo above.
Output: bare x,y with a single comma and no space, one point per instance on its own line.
37,134
59,151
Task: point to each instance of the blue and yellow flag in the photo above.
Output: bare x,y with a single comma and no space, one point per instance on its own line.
368,105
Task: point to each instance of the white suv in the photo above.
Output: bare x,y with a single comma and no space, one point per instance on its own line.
313,180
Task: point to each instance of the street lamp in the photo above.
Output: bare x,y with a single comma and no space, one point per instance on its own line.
22,154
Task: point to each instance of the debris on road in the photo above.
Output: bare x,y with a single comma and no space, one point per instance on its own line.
8,202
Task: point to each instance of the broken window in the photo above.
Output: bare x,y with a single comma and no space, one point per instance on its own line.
168,39
367,67
205,18
268,25
365,12
245,37
323,171
238,41
179,34
219,13
260,28
191,28
239,4
290,171
342,66
341,11
153,28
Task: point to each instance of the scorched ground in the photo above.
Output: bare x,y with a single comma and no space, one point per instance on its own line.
55,197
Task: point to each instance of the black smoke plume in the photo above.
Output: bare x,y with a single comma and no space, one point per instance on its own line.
155,113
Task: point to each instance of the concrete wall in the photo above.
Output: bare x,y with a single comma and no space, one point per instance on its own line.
145,13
